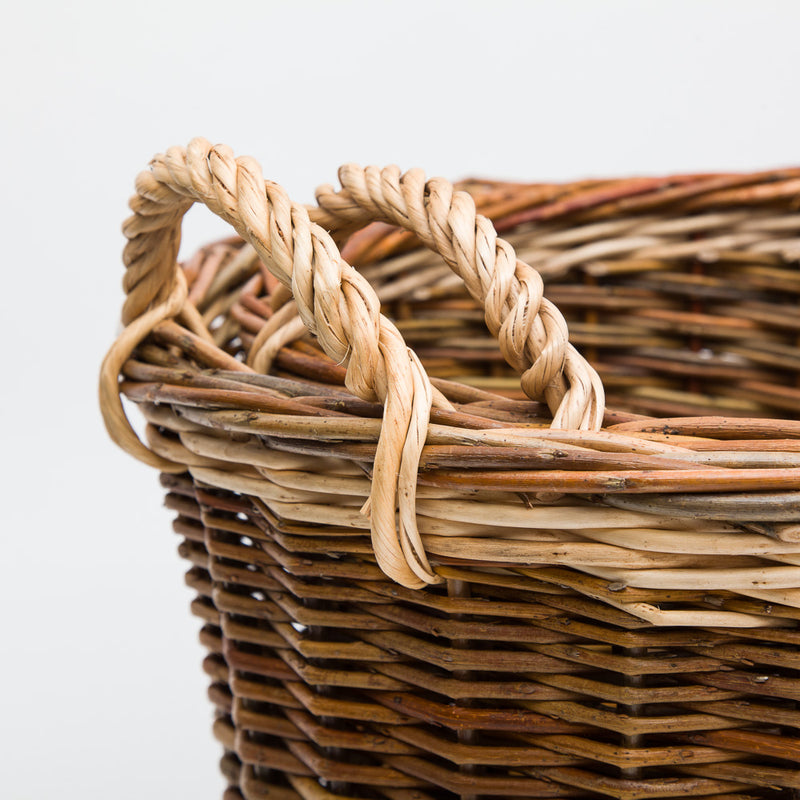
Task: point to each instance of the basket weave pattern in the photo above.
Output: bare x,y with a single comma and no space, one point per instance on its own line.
452,571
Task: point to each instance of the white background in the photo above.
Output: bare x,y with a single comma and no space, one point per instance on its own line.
102,692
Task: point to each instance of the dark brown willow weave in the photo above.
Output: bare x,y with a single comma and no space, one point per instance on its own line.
510,679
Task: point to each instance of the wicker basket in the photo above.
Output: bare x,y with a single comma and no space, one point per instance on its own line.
423,576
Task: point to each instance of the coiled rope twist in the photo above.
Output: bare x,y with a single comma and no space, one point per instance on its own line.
340,307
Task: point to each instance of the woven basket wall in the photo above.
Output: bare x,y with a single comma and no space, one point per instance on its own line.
604,608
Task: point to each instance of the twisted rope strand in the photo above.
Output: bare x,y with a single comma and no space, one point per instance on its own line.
531,331
334,301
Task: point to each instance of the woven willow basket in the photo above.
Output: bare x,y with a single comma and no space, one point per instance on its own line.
431,558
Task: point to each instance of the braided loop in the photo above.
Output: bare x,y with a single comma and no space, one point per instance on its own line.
334,301
340,307
531,331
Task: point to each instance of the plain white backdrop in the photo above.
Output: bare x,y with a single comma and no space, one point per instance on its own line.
102,691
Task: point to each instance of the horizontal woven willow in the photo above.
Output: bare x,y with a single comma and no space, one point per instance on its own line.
468,569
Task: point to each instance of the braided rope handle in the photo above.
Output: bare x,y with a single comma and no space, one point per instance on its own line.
530,330
340,307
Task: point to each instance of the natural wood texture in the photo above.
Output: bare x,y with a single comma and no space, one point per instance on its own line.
613,610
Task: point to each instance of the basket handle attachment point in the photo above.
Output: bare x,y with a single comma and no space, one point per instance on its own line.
339,306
